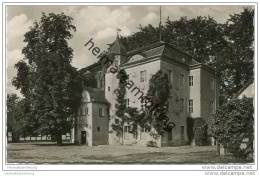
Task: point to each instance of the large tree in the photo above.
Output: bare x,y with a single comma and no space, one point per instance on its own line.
18,117
46,77
227,47
237,64
13,125
201,37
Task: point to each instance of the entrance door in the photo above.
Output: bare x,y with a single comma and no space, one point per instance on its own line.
83,137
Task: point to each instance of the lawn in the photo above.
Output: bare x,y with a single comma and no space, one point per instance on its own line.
108,154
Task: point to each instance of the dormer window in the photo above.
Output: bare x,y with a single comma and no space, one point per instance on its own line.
136,58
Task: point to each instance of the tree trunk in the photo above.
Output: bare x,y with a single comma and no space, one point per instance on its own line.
15,137
123,135
59,139
123,132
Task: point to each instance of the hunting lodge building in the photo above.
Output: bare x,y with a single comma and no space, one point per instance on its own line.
193,93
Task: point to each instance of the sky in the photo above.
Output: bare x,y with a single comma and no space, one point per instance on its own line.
99,23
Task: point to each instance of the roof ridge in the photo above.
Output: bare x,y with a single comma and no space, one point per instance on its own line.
180,50
96,64
147,47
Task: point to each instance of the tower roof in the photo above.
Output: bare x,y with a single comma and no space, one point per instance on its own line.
117,47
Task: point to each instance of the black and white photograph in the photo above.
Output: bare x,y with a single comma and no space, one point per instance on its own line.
121,84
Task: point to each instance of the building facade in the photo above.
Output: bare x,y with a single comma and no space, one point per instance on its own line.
193,90
92,120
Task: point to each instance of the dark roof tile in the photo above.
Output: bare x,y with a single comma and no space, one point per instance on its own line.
161,49
117,47
97,95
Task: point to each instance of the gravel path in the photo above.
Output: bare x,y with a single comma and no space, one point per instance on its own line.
104,154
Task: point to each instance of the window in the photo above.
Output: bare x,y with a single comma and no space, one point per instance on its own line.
80,118
170,105
142,106
127,102
86,110
142,76
212,59
170,75
131,128
191,105
211,84
190,80
146,129
127,128
81,110
211,106
116,62
182,105
176,82
102,82
98,129
170,78
181,80
100,112
108,88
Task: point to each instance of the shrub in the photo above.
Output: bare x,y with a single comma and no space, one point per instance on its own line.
234,126
200,132
151,144
190,132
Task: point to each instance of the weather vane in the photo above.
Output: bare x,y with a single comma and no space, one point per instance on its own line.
117,31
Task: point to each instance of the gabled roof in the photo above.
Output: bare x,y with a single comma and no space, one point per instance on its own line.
157,49
92,68
97,95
